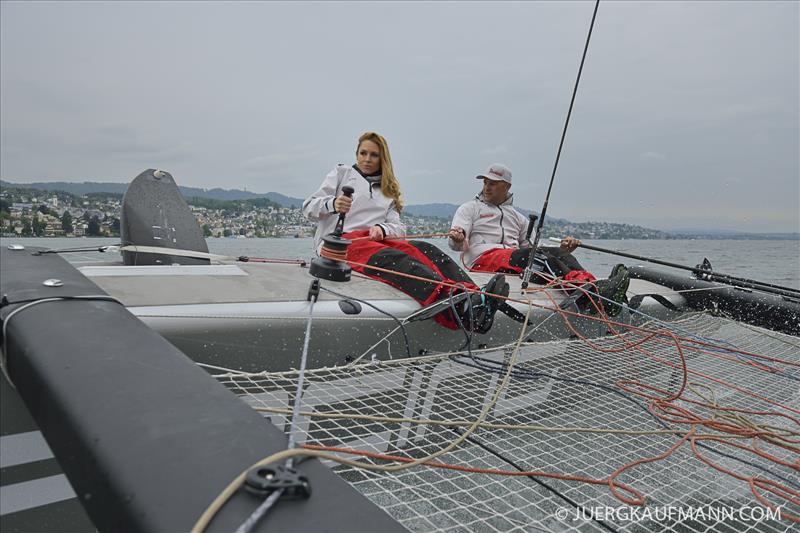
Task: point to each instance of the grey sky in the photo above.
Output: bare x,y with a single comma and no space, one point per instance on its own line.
687,114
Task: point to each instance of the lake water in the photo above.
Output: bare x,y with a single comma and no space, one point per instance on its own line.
770,261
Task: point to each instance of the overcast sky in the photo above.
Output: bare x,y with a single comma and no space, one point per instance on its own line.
687,113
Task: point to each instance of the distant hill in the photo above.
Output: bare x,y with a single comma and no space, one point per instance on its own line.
700,233
584,230
88,187
285,201
448,210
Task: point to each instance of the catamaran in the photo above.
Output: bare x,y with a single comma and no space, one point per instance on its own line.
180,391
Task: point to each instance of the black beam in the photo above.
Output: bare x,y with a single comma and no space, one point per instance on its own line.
146,438
771,311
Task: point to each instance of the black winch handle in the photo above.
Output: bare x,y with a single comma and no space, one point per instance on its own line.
531,223
347,191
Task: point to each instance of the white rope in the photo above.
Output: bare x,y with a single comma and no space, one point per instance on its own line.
382,339
171,251
228,370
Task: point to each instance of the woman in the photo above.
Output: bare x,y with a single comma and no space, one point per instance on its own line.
376,204
373,216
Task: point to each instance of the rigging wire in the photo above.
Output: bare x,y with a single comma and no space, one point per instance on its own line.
273,498
400,324
101,249
526,277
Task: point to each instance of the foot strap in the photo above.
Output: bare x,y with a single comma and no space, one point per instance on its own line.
510,312
436,307
636,301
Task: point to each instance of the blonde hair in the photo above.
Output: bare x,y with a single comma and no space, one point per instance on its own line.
390,187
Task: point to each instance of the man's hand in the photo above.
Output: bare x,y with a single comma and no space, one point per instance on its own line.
376,233
569,244
457,234
342,204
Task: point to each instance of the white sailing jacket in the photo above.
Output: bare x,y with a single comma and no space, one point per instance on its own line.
370,207
488,226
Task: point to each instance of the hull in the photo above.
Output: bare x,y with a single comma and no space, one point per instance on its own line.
253,317
764,308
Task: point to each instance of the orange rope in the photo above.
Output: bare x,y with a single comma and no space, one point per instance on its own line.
682,366
664,405
333,254
404,237
774,487
474,470
643,460
661,401
564,313
603,319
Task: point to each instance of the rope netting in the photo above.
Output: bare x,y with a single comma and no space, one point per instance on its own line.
688,426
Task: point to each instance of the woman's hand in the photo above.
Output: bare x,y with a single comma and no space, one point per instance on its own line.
376,233
342,204
569,244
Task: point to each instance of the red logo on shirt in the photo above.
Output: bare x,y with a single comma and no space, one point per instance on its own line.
487,215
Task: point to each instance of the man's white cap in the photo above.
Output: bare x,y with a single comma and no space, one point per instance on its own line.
496,172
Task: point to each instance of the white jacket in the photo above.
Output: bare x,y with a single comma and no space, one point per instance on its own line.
488,226
370,207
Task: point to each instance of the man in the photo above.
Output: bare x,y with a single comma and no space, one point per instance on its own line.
491,234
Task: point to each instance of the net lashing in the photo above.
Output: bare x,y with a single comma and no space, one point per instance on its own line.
699,413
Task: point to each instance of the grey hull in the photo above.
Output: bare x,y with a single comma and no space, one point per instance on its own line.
253,317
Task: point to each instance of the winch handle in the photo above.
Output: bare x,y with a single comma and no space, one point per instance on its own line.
347,191
531,223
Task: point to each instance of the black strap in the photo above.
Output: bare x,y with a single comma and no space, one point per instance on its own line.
636,301
510,312
437,307
571,299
